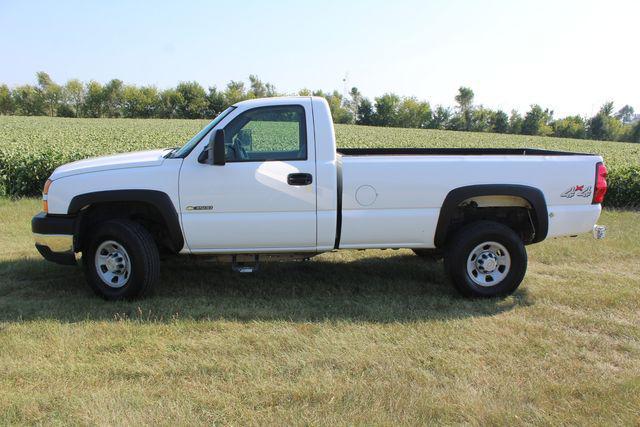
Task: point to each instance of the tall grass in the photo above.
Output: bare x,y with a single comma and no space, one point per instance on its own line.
31,147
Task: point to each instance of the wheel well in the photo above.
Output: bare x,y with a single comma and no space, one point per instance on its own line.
143,213
518,216
520,207
513,211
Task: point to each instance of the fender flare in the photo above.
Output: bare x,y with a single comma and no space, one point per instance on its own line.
158,199
534,196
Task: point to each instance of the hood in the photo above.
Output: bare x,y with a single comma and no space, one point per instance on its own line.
118,161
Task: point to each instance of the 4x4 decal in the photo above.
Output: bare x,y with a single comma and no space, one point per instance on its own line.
577,190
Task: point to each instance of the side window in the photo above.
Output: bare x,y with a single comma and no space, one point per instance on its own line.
267,133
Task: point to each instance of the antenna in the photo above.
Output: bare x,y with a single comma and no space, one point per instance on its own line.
345,85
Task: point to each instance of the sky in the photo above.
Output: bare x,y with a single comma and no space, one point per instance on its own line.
568,55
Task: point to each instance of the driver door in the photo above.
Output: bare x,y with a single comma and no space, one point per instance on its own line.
264,198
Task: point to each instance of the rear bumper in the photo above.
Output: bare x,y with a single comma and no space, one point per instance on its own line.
53,236
570,220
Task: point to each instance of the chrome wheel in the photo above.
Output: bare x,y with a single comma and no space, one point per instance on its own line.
113,264
488,264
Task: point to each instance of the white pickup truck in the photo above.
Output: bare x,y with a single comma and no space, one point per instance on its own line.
264,180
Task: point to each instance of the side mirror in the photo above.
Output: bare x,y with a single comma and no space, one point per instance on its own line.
215,149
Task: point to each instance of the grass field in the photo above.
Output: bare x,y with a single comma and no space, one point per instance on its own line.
79,138
31,147
374,337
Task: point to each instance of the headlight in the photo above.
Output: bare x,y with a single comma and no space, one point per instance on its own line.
45,191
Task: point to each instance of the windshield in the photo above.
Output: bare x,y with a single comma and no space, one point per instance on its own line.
186,148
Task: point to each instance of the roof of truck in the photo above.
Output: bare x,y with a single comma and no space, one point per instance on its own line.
271,101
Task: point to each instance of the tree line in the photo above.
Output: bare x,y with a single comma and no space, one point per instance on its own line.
189,100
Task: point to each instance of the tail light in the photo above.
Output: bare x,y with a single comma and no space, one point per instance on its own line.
601,183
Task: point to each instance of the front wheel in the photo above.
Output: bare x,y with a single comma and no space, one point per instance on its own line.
121,261
486,259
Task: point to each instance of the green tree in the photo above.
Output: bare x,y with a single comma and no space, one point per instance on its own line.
193,100
413,113
339,112
28,101
112,98
500,122
387,107
235,92
170,102
305,92
537,121
6,101
457,122
481,119
215,102
150,101
65,110
607,108
464,98
257,88
440,118
599,127
74,96
50,92
603,126
515,123
130,101
365,113
271,90
94,99
570,127
143,102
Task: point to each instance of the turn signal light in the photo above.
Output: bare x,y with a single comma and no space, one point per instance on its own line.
47,184
45,191
601,183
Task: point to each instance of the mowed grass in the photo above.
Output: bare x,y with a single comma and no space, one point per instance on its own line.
373,337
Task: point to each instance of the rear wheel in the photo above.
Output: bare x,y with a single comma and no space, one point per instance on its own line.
121,261
486,259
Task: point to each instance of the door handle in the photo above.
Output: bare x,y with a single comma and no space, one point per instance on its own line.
299,179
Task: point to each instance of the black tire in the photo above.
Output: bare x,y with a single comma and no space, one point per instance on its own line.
461,246
428,254
142,253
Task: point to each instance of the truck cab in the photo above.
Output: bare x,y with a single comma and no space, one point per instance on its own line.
276,189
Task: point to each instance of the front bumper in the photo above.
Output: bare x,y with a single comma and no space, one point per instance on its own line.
54,237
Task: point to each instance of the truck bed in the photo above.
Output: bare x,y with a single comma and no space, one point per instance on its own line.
454,152
394,195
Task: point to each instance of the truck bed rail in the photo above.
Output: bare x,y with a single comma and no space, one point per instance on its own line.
455,152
